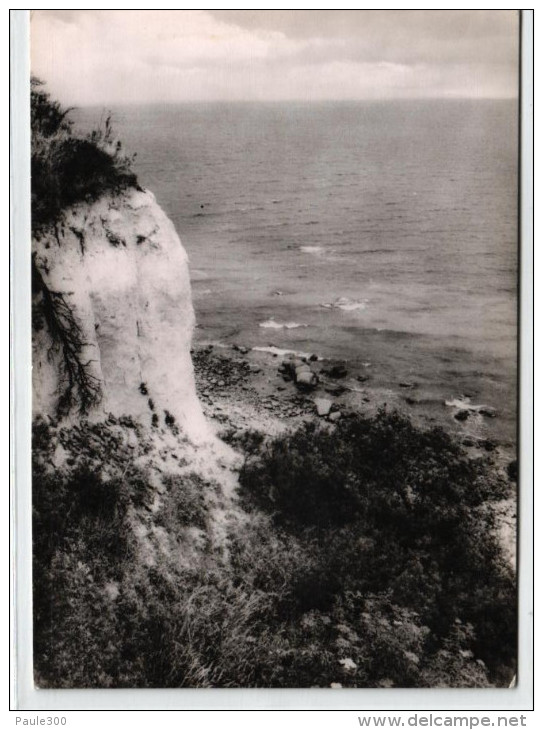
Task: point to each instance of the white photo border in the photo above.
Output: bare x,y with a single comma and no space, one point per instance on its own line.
24,696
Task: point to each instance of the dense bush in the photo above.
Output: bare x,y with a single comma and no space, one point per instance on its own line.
387,508
108,615
183,503
406,589
66,168
383,465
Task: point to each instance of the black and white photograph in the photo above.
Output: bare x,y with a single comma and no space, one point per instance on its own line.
275,340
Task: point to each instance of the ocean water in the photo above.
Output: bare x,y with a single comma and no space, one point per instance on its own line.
382,233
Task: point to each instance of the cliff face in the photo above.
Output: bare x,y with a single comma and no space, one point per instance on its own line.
120,269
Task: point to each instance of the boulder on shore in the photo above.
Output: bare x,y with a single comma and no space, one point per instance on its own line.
323,406
306,379
299,371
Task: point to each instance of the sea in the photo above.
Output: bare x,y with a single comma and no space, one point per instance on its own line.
380,233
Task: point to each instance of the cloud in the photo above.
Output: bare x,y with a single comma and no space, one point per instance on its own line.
102,57
407,37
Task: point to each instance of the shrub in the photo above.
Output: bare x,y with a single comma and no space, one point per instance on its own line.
383,465
66,168
389,508
420,599
183,503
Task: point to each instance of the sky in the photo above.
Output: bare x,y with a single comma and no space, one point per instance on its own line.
89,57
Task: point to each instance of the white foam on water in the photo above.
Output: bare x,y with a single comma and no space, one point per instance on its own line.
346,304
315,250
272,324
349,305
281,353
465,404
459,403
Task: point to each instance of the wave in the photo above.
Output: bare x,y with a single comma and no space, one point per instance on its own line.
272,324
346,304
315,250
281,353
464,403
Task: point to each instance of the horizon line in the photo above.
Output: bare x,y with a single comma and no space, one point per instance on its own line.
298,101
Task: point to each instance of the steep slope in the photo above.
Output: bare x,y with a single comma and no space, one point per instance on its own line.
118,268
113,383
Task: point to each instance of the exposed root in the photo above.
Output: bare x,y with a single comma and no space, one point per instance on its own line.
78,386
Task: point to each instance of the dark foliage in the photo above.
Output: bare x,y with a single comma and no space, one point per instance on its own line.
68,169
389,508
383,465
419,599
47,117
99,615
183,503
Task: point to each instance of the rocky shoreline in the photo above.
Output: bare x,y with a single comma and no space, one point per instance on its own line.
249,389
289,387
245,390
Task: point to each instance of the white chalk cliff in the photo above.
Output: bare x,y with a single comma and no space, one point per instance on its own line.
120,268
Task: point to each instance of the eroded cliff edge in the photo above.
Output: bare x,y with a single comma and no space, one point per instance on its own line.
119,269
